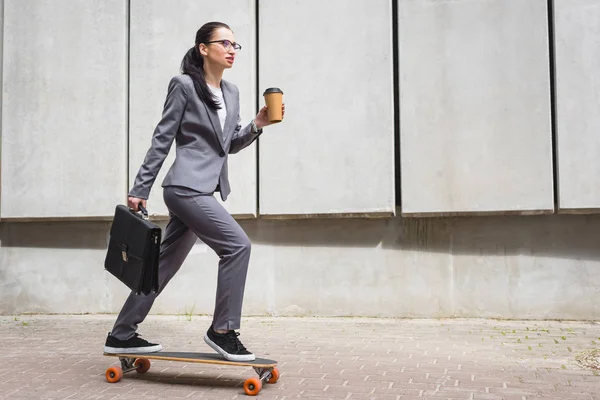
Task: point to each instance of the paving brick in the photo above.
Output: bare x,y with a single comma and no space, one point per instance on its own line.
356,359
309,394
398,391
350,389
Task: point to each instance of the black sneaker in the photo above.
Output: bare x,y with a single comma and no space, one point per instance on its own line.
135,344
228,345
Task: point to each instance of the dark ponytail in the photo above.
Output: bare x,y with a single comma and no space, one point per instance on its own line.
193,64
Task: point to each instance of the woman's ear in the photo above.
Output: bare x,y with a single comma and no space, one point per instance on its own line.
202,49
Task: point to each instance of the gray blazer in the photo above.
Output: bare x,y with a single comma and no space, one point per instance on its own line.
202,147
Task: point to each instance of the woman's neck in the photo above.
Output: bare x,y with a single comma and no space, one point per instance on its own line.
213,75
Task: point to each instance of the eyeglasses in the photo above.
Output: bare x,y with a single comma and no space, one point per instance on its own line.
227,44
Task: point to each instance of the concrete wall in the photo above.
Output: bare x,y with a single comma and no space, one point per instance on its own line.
475,120
64,108
335,151
475,135
508,267
577,37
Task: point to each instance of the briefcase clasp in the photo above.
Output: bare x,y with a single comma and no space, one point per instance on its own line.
124,253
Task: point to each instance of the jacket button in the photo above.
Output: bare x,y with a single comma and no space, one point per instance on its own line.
222,154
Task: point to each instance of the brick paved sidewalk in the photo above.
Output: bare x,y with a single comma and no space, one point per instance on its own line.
60,357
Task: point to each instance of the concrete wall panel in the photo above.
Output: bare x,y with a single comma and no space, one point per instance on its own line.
64,108
503,267
577,43
334,153
161,33
474,106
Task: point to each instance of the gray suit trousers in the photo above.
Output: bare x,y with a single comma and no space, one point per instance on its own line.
193,215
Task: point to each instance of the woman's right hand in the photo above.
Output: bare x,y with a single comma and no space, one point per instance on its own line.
134,202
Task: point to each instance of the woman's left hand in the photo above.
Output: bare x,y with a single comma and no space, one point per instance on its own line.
262,118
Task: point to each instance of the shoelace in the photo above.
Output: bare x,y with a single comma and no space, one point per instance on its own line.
138,336
232,336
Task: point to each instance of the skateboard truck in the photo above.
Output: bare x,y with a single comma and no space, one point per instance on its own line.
253,385
129,364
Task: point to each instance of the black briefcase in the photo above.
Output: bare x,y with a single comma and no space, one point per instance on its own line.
133,250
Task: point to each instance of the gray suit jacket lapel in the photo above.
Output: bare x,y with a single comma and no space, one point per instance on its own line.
214,120
232,110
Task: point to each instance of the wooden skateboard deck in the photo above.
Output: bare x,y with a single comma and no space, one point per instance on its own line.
265,368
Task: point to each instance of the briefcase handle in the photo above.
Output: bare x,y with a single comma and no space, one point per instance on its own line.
143,211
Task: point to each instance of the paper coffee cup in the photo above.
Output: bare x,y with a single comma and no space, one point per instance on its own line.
274,99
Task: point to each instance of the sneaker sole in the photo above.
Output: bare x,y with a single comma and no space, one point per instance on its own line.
133,350
230,357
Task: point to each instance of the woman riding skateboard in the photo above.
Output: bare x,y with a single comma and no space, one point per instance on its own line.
201,113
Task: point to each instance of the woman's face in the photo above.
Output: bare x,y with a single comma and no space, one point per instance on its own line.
221,52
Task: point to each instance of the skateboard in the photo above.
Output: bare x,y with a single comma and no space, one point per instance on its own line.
266,369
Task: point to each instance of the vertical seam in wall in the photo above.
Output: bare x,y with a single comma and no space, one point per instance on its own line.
396,83
452,270
257,107
128,92
553,117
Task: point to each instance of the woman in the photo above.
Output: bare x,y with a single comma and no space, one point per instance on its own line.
201,113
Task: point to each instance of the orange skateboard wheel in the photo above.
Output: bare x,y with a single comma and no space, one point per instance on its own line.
252,386
274,375
114,374
142,364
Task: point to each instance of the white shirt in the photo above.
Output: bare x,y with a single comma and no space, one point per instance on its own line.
222,112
